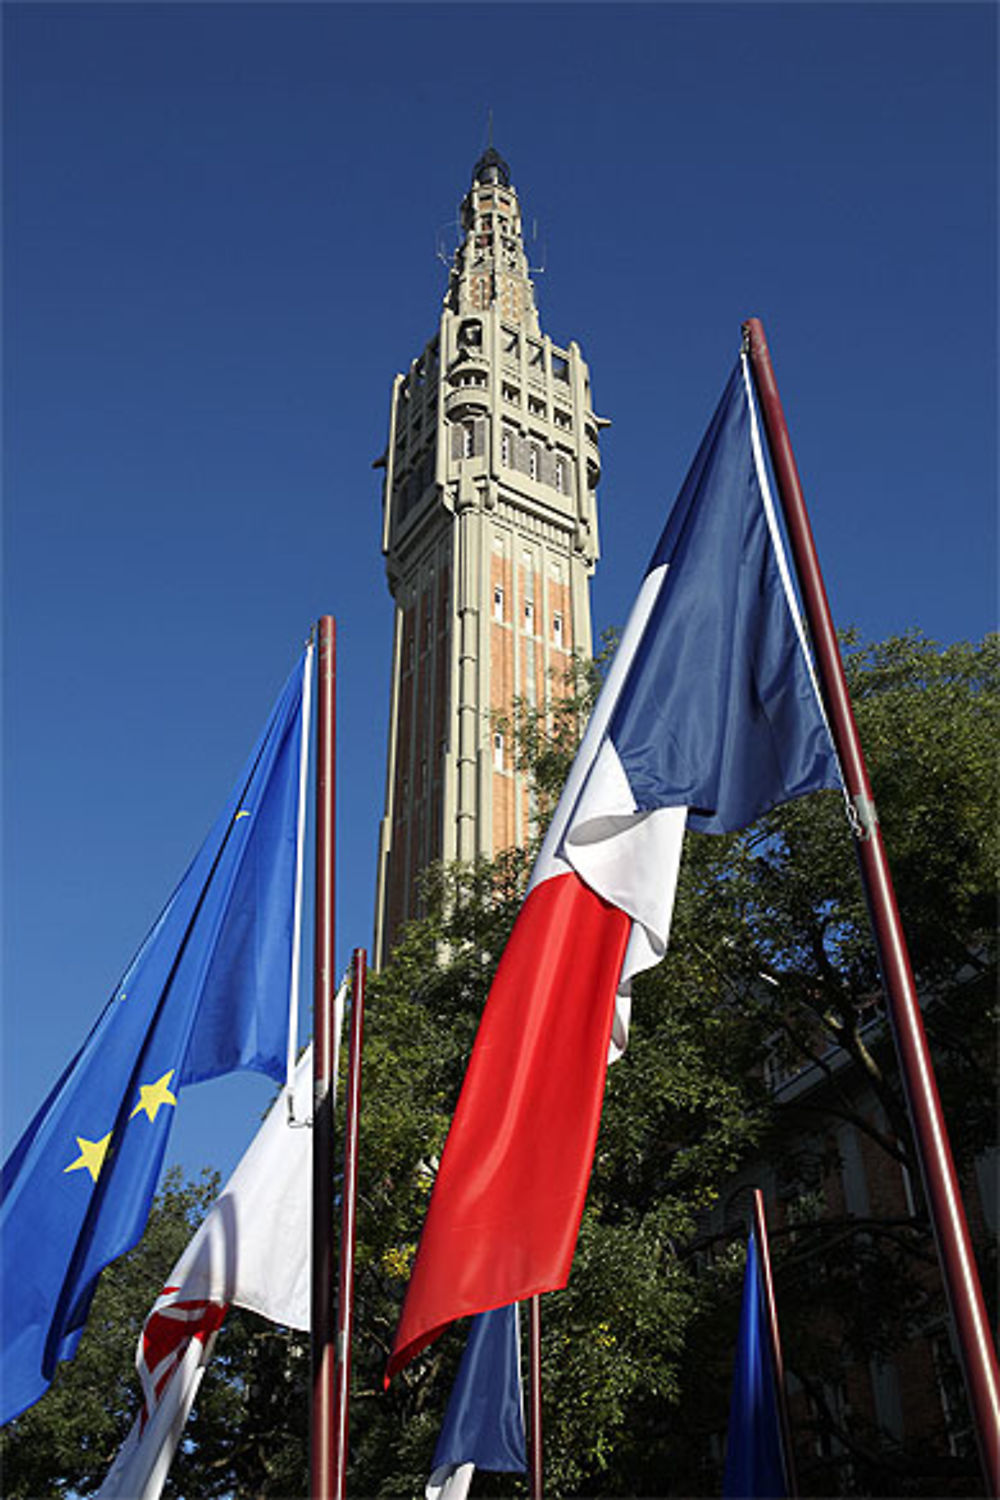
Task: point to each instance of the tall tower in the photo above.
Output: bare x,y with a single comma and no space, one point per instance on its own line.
490,539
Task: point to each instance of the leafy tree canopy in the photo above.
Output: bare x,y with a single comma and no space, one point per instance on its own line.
770,962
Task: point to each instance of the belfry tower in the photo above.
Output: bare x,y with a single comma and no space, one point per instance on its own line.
490,539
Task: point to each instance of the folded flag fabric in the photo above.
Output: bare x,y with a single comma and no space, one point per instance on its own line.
755,1465
484,1423
709,717
207,993
252,1249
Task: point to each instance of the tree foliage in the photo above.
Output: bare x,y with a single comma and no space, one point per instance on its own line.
771,962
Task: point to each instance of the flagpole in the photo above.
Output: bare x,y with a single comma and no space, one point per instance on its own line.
324,985
763,1246
535,1396
348,1219
944,1201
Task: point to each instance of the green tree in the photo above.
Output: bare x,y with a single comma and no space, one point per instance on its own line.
770,959
770,941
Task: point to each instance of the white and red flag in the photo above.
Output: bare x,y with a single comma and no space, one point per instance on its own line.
709,717
252,1249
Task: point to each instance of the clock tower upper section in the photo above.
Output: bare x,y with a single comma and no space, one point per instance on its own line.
490,540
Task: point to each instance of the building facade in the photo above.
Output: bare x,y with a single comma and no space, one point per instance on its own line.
490,540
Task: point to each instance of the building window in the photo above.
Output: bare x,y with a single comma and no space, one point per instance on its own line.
533,460
498,603
468,440
557,628
560,475
560,368
505,449
529,615
498,750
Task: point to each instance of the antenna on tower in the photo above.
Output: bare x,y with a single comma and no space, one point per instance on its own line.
447,236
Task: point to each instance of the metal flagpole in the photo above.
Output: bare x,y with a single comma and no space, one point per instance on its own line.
535,1398
961,1279
324,984
349,1197
764,1250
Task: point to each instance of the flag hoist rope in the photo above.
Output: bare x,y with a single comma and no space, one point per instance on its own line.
944,1203
300,848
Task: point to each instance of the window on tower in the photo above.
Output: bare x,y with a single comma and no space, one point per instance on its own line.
557,629
498,750
560,367
529,615
559,475
498,603
468,439
533,460
505,449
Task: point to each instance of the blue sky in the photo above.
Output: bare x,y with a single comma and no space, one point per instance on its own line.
219,246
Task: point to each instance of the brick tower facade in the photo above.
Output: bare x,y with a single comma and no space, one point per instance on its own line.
490,540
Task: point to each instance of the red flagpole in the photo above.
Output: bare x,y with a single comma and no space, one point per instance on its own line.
535,1398
348,1219
764,1248
322,1443
954,1245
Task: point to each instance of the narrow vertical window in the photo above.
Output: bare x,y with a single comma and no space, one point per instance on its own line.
498,750
560,475
529,615
505,449
533,461
498,603
468,440
557,629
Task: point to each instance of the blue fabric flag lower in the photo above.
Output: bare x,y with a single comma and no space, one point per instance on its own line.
206,994
754,1455
719,714
484,1423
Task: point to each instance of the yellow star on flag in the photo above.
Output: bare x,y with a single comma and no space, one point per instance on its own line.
152,1095
91,1156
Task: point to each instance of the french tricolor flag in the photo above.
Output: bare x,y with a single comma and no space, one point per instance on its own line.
710,716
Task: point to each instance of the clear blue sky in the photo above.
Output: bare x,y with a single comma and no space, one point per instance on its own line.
219,237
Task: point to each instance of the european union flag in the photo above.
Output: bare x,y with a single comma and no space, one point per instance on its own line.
755,1456
206,994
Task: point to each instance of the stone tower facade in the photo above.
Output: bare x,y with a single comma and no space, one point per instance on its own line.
490,540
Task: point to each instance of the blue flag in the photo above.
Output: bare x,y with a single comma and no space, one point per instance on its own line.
719,713
484,1423
755,1464
206,994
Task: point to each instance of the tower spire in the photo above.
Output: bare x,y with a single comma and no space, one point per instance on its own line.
491,267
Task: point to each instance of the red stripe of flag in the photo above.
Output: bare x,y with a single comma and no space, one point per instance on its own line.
506,1207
